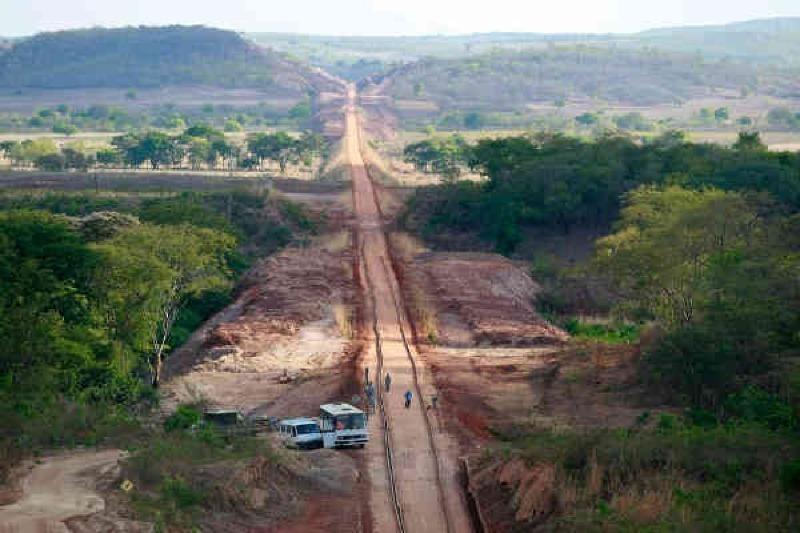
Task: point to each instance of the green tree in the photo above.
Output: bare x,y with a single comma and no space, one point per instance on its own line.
474,120
301,112
279,147
31,150
665,241
44,312
445,156
50,162
233,126
749,142
154,147
178,262
587,119
76,159
109,157
6,147
199,151
65,128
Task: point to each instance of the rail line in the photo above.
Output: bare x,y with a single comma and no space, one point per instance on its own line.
387,443
388,272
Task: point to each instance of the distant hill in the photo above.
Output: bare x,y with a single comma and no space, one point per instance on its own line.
771,41
506,80
148,57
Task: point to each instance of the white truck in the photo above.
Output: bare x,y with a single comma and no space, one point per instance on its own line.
343,425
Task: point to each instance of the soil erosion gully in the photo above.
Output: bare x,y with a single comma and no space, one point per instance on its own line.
421,491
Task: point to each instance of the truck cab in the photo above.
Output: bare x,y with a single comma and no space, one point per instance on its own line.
300,433
343,425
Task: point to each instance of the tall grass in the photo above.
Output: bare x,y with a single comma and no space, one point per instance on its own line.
672,477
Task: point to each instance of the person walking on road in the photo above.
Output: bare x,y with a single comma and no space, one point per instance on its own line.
408,397
387,381
370,391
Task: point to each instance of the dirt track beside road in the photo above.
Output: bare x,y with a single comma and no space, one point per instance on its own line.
56,489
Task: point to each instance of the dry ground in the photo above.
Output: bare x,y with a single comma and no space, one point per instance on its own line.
498,366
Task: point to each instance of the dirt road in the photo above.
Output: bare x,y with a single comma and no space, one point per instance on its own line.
59,488
420,492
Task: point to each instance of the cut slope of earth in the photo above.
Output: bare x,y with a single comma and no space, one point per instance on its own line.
291,317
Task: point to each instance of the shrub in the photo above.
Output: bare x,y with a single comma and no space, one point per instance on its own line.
184,417
790,476
177,491
607,333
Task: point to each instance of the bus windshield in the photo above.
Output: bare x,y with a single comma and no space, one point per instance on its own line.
354,421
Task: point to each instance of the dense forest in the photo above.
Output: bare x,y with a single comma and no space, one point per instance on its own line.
559,182
96,290
147,57
699,269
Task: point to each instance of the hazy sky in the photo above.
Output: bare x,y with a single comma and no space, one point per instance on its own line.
386,17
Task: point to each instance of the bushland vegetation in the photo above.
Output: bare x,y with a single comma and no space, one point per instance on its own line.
96,291
558,182
508,80
69,120
702,258
198,147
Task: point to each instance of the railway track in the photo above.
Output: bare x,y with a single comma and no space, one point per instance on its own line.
387,271
387,432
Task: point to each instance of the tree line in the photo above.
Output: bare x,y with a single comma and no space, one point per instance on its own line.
198,147
702,242
95,292
556,181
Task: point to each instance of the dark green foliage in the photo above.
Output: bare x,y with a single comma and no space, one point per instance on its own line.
607,333
703,363
153,147
441,155
146,57
184,417
50,162
790,476
283,148
633,121
177,492
587,119
186,208
560,182
76,205
199,309
784,117
758,406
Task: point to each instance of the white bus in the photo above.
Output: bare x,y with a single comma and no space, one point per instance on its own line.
343,425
